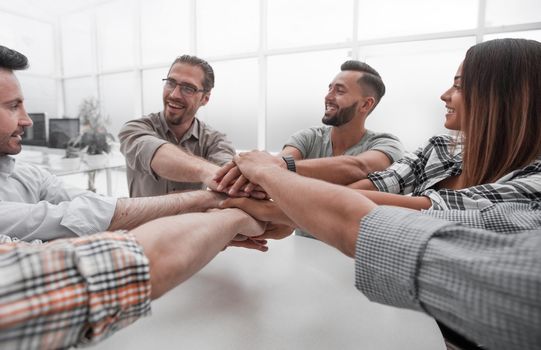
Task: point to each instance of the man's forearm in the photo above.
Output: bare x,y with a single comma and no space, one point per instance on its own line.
132,212
340,170
179,246
328,211
365,184
398,200
174,164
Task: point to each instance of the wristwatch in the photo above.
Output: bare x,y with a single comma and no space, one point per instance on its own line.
290,162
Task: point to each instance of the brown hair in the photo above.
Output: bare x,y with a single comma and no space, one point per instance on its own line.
208,79
501,83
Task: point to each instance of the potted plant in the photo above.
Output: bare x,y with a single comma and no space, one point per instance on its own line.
94,138
94,142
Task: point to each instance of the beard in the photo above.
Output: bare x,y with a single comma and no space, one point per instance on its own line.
176,117
342,116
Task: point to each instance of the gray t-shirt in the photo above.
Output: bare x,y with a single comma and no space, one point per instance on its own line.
316,142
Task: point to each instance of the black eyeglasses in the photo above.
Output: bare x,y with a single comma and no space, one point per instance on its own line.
185,89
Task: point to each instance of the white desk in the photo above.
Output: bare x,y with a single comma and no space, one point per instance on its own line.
298,295
53,160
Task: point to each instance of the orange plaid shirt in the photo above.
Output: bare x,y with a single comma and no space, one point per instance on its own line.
70,291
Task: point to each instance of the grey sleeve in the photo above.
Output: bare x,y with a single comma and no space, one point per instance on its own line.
303,140
388,144
482,284
138,143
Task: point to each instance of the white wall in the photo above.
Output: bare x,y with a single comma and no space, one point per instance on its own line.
273,58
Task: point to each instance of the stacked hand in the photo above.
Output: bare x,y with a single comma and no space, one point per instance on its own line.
239,179
236,178
278,225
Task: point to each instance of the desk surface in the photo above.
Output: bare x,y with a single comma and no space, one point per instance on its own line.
298,295
54,161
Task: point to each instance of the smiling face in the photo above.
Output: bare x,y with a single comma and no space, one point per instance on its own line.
178,107
342,100
454,103
13,117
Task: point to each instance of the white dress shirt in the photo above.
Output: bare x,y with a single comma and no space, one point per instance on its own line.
35,204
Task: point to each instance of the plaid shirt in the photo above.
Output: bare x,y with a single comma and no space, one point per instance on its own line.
441,158
70,292
478,272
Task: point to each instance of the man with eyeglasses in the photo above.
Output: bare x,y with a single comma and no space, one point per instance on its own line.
173,150
62,282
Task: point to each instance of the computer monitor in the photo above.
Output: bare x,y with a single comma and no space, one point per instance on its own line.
61,130
36,135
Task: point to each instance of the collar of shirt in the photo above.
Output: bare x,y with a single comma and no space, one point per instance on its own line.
327,140
193,131
7,164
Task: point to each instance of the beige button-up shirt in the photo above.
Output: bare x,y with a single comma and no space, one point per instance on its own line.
141,138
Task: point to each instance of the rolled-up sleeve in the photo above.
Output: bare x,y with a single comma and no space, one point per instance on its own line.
399,178
482,283
138,143
519,190
70,292
306,141
388,251
388,144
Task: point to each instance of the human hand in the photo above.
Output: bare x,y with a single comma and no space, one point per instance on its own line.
263,210
272,231
230,180
248,225
275,231
249,243
250,164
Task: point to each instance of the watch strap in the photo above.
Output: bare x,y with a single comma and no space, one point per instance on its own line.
290,163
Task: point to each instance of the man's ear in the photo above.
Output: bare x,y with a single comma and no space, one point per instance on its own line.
368,104
205,99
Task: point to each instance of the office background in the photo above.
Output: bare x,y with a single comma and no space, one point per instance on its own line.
273,58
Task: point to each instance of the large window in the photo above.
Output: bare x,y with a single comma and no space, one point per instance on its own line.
273,58
297,85
298,23
232,108
416,74
392,18
499,12
165,30
35,39
227,27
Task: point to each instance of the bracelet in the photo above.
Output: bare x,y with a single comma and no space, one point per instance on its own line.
290,162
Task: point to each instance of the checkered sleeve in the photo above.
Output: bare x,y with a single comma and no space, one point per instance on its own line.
70,292
400,177
522,186
437,159
482,284
503,218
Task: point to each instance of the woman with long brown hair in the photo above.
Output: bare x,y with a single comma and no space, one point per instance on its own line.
495,105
